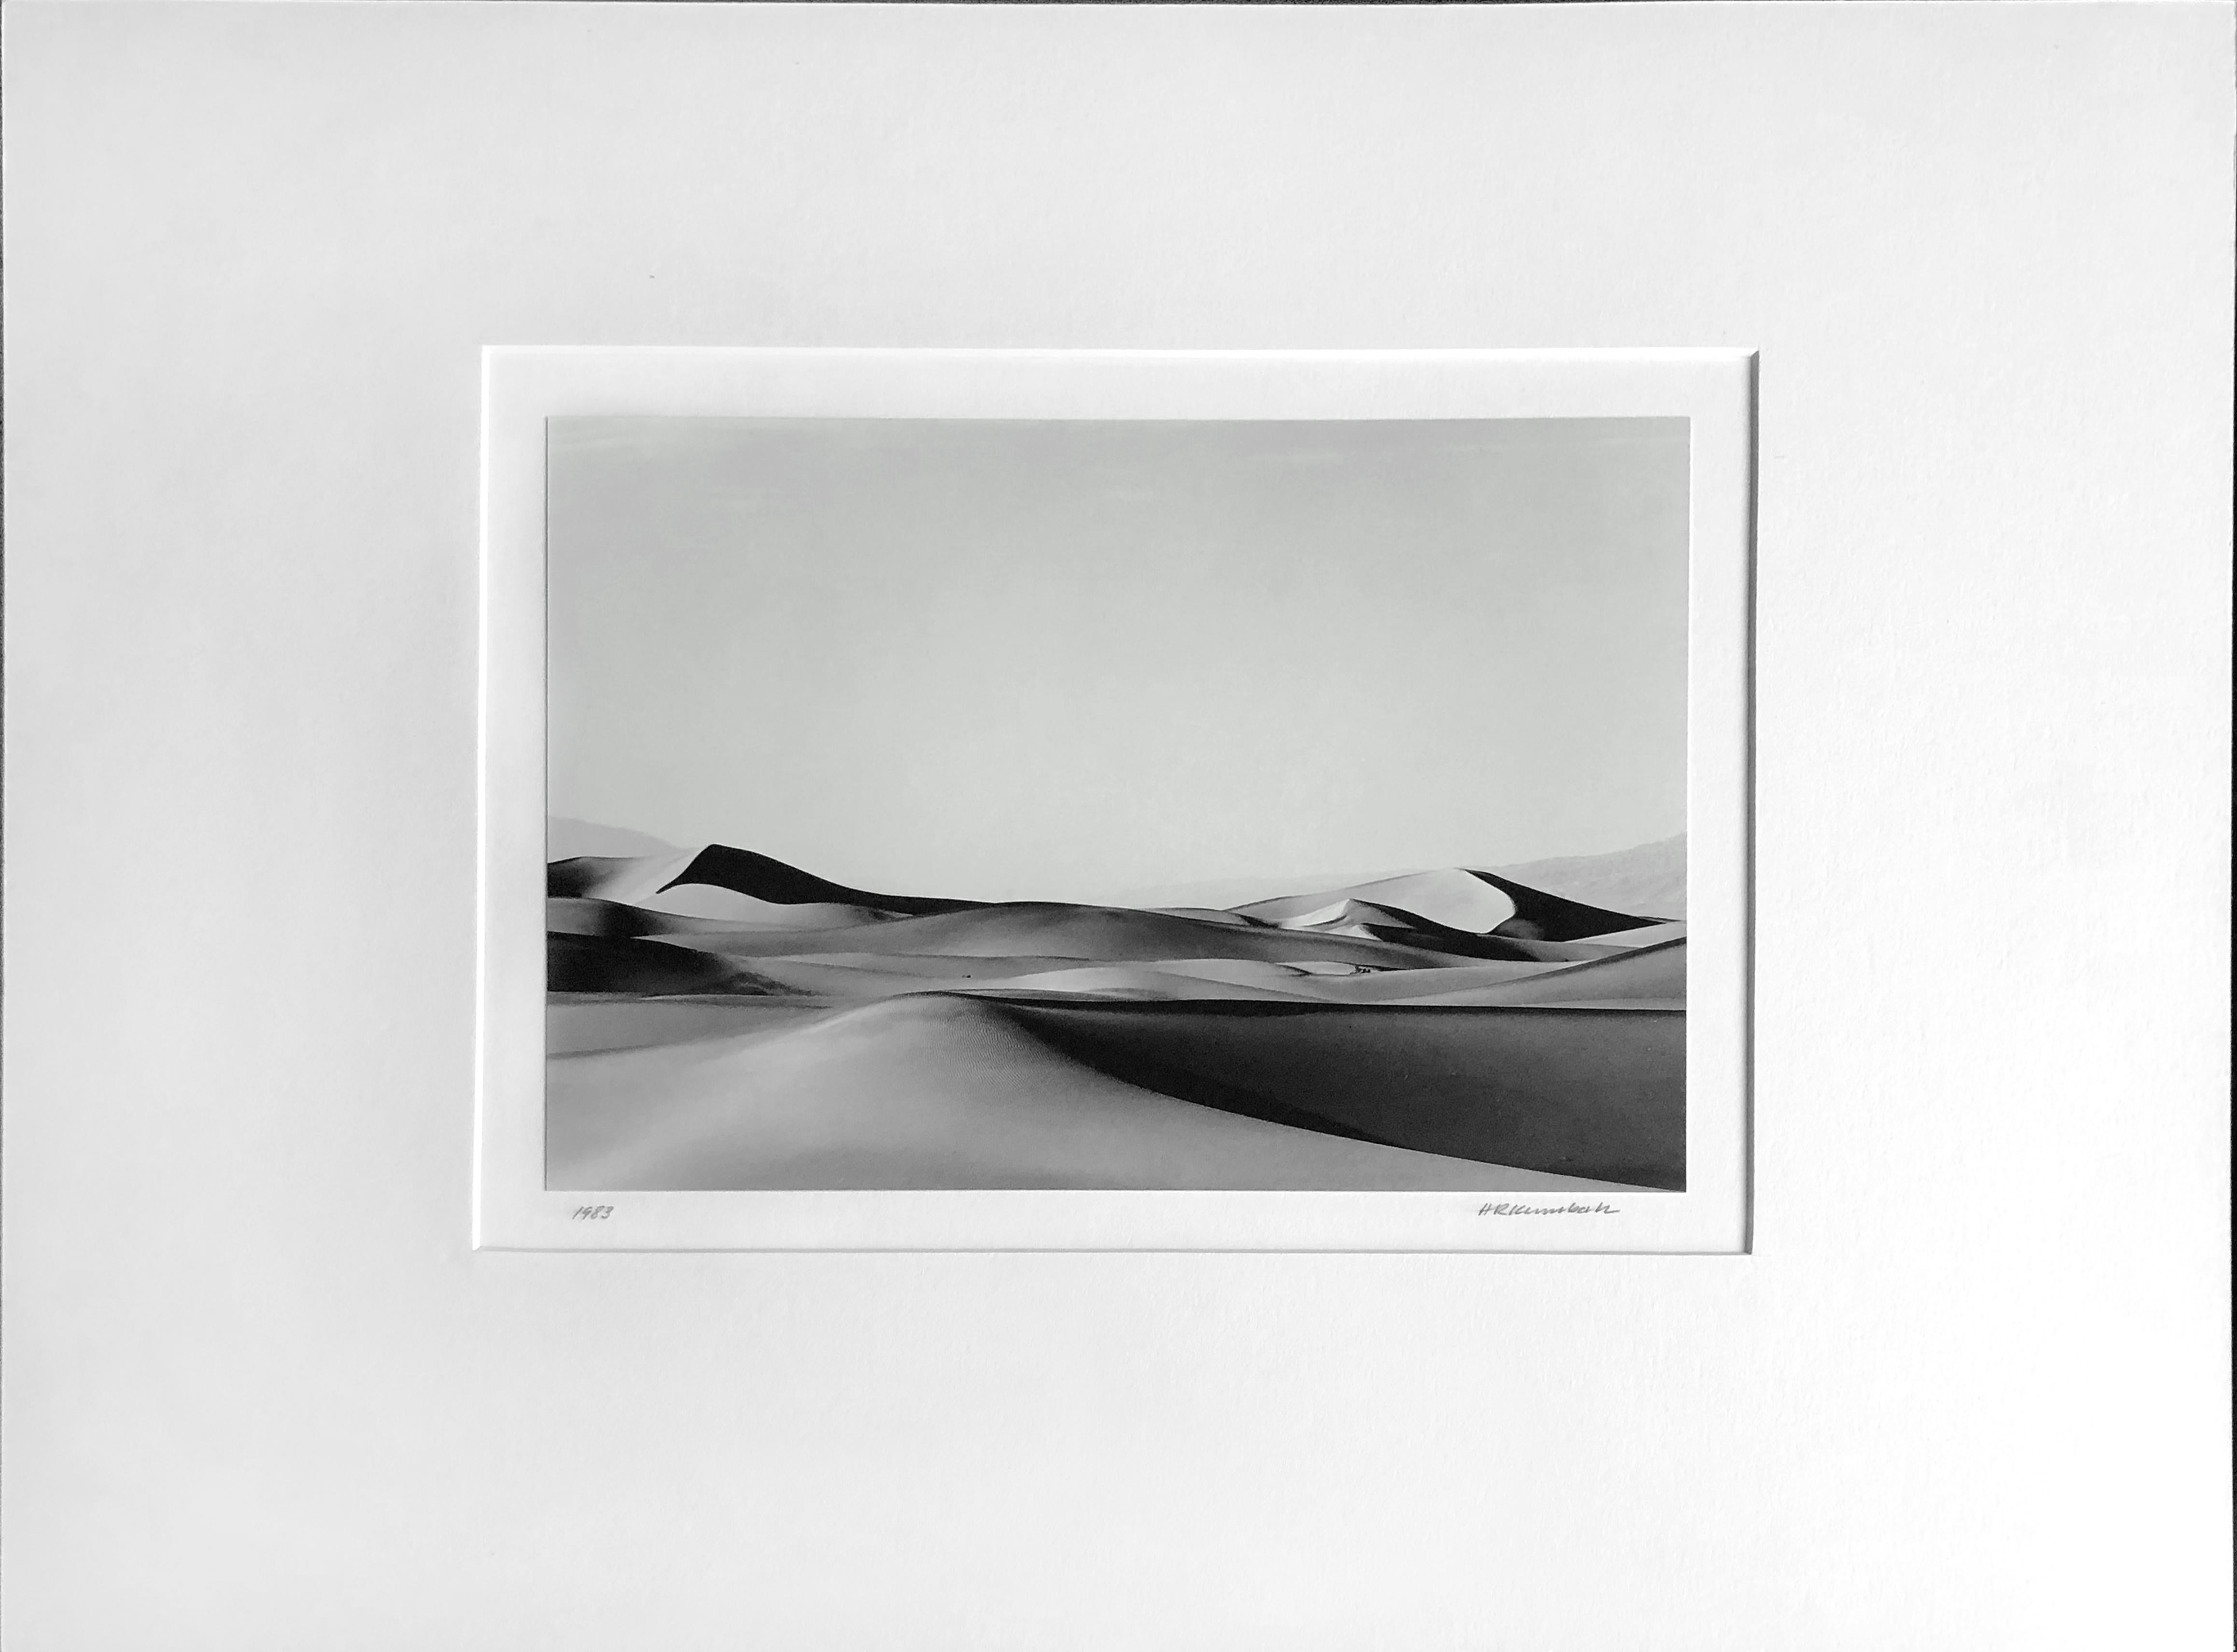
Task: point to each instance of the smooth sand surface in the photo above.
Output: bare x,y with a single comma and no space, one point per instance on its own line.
722,1019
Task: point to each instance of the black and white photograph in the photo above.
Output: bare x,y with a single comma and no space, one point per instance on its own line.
1157,805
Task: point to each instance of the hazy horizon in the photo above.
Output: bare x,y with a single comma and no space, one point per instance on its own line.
574,835
1082,660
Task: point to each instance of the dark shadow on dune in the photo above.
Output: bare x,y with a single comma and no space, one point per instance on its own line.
578,875
1494,947
765,879
1656,972
1580,1092
1541,916
1118,1059
584,963
569,914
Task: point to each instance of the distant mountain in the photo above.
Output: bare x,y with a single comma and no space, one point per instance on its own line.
1649,880
565,839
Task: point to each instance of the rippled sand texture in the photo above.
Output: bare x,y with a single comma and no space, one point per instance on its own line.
719,1019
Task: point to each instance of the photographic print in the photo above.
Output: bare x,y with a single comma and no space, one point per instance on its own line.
1146,804
1116,805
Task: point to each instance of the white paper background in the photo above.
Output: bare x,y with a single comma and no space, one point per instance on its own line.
1967,1393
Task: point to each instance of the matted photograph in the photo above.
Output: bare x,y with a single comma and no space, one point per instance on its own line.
973,804
791,858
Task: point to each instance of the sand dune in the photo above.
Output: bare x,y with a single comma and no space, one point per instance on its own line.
1541,916
931,966
1590,1092
1084,934
605,964
578,1024
1202,914
1451,898
569,914
705,901
1646,937
720,1019
867,975
1249,972
1406,986
934,1092
1650,878
1657,972
744,872
1453,946
623,878
1140,982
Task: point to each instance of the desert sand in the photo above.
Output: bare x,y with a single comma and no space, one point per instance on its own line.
720,1019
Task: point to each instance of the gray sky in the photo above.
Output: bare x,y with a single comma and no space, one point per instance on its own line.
1071,660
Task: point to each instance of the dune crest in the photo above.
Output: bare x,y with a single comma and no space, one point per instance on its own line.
1650,878
1453,898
